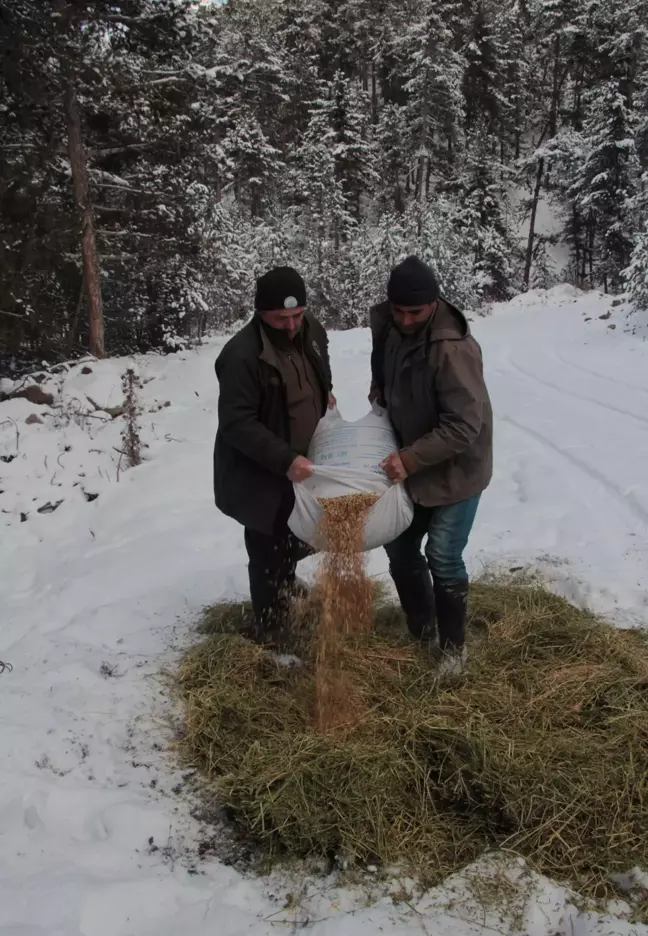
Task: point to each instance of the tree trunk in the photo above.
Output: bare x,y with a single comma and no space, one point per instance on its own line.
425,140
550,130
532,221
591,240
428,179
555,90
577,105
374,94
419,191
73,324
91,274
399,201
518,120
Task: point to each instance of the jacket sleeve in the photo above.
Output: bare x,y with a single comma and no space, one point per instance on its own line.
327,363
462,396
238,416
379,325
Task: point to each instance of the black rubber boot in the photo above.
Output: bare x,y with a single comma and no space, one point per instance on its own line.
299,590
416,596
452,609
271,628
273,560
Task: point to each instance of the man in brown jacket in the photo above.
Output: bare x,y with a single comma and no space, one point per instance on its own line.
427,370
275,384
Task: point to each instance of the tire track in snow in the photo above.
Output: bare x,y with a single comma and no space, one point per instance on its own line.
575,395
630,501
593,373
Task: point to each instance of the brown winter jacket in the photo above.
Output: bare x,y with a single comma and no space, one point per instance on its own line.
433,386
253,451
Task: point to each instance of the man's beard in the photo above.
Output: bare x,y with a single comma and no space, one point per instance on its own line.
412,329
281,336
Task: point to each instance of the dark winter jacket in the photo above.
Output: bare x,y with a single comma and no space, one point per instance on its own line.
252,452
433,386
305,392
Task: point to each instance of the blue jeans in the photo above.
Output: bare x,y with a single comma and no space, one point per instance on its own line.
447,530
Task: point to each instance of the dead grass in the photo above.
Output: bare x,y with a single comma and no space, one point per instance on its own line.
540,748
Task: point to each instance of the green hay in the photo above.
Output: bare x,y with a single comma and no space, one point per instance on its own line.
541,747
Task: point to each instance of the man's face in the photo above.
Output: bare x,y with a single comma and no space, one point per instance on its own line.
410,319
288,320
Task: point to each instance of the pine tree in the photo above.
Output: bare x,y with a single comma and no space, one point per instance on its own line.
641,133
347,115
481,216
322,212
394,143
636,274
447,245
605,184
484,101
511,25
431,74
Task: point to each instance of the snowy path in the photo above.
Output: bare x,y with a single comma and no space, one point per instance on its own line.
95,596
572,405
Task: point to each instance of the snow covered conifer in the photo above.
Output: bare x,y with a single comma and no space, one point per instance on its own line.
481,216
636,274
605,183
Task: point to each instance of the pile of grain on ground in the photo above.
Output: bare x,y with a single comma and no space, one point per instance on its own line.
540,748
345,596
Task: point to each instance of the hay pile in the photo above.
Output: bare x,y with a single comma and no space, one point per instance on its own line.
541,747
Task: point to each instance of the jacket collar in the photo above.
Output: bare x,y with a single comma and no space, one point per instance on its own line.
310,346
268,351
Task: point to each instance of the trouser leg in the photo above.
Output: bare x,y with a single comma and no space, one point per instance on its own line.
448,533
271,567
411,576
272,563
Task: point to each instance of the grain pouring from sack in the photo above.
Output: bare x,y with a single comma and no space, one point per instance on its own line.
346,597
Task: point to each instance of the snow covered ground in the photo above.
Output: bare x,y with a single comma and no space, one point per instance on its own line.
97,596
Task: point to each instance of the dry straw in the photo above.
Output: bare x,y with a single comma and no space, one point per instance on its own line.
541,747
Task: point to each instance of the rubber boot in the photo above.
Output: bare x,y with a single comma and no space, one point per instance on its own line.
299,589
271,628
271,603
416,596
452,609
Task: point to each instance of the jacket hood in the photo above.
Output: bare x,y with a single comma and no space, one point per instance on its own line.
448,324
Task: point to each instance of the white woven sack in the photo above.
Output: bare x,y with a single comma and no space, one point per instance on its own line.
347,457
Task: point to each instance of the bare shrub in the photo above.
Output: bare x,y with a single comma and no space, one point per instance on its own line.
131,439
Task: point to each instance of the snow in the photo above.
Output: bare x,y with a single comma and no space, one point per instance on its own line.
98,598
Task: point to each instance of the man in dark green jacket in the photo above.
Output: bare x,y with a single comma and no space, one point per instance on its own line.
427,370
275,384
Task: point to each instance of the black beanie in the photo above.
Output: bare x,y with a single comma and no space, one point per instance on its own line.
281,288
412,283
